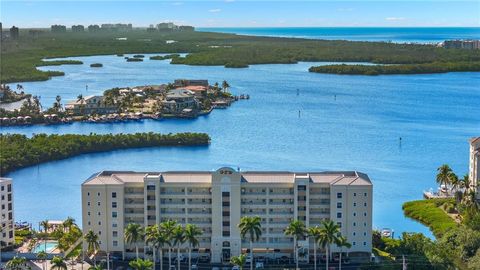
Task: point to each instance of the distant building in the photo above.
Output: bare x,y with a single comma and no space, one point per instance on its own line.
14,32
120,27
78,28
34,33
7,235
56,28
199,87
186,28
93,28
177,100
90,105
170,26
474,166
151,28
462,44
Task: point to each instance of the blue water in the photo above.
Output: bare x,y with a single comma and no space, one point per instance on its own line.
48,247
393,34
435,114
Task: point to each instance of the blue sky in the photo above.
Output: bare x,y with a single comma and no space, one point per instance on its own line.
242,13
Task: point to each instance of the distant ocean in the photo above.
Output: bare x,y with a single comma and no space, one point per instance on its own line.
393,34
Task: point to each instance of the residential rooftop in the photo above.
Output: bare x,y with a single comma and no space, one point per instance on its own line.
328,177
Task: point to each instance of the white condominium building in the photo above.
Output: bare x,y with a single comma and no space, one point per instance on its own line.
7,233
474,166
216,200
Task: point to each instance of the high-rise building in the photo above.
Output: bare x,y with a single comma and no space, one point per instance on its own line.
474,164
56,28
78,28
7,226
14,32
215,201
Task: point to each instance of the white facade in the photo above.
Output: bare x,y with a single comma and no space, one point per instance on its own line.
474,164
215,202
7,234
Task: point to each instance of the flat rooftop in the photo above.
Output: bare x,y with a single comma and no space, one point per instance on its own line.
260,177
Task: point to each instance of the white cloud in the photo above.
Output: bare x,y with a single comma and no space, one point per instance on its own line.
394,18
215,10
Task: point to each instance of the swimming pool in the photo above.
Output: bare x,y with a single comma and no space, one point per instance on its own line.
48,247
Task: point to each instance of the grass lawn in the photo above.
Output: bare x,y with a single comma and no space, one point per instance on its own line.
429,213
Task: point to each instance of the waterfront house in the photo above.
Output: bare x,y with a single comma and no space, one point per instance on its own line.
176,100
89,105
215,201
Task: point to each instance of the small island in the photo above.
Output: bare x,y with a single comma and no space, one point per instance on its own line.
138,56
164,57
129,59
180,99
96,65
20,151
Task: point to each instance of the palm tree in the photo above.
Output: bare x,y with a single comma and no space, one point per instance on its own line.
297,229
68,223
225,86
465,182
454,181
42,256
57,102
178,238
92,243
140,264
315,233
329,235
341,243
58,263
239,260
17,263
151,238
191,233
79,97
133,235
167,227
444,175
250,227
45,225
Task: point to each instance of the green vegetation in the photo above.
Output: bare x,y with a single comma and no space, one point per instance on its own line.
164,57
138,56
20,57
435,67
96,65
428,212
18,151
60,62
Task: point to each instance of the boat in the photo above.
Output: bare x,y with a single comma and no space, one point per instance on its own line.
387,232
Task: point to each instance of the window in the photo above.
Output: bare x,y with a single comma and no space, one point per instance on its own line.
114,214
88,203
339,215
225,194
364,234
98,203
354,233
114,194
226,233
226,213
88,213
339,195
99,233
114,233
115,243
226,223
364,224
88,193
354,214
354,243
365,194
354,224
364,243
89,223
302,188
354,194
114,225
225,203
339,224
365,214
114,204
99,213
365,204
354,204
9,188
150,187
339,205
98,194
